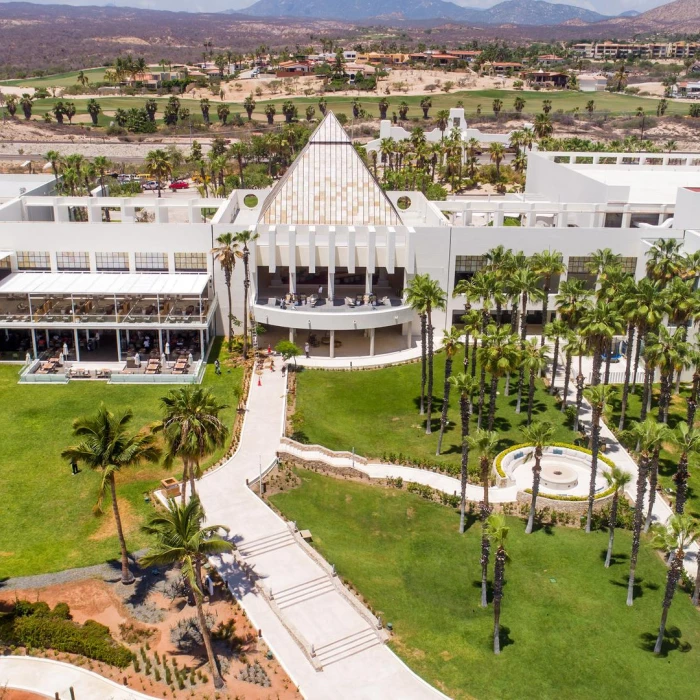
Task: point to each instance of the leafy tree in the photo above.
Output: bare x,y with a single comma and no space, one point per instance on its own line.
290,111
171,114
249,106
151,108
222,111
204,106
310,113
425,104
383,106
26,103
497,106
158,165
288,350
94,109
70,111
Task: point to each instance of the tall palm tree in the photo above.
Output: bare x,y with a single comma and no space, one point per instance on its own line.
158,164
680,532
687,440
572,301
556,330
485,444
192,429
497,533
664,260
647,434
500,356
243,238
102,164
451,343
578,347
533,360
54,157
539,435
415,298
497,152
464,384
547,264
667,351
107,446
599,397
225,253
598,325
617,479
527,285
181,539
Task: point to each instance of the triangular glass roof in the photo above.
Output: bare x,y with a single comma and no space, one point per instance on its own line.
329,183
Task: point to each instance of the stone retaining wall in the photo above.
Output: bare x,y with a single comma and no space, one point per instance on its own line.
575,507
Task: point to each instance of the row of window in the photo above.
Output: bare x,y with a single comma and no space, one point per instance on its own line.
111,262
576,264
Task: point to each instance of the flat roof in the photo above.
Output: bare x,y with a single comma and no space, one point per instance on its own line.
101,283
10,184
652,184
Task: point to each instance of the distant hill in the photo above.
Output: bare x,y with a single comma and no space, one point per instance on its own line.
681,16
630,13
523,12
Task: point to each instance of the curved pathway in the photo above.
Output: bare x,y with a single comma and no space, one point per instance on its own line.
55,678
328,644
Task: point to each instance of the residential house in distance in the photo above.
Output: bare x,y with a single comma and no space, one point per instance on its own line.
550,59
545,78
294,69
464,55
501,68
591,82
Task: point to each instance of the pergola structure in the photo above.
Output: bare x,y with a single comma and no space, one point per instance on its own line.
107,301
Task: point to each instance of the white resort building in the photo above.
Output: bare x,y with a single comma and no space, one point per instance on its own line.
334,253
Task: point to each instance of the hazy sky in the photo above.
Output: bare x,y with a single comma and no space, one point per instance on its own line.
603,6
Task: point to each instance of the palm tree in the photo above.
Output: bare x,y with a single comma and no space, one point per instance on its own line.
687,440
497,152
107,446
158,165
647,435
243,238
485,444
434,300
542,126
102,164
464,384
181,539
472,327
556,330
451,343
54,157
617,479
547,265
497,533
539,435
415,298
499,356
192,429
226,253
572,301
598,325
575,347
667,351
598,396
664,260
680,532
533,360
442,119
497,106
27,103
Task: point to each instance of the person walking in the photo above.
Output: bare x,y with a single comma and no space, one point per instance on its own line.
217,367
307,349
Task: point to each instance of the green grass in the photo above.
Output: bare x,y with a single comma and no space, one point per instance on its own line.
46,519
668,459
376,412
95,75
568,631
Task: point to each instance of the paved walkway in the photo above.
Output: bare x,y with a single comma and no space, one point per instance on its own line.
310,622
379,470
55,678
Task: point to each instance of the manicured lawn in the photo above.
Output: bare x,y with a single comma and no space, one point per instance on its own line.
669,456
95,75
569,633
376,413
46,519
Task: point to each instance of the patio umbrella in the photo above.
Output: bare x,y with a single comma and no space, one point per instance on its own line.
190,359
137,359
167,349
65,350
28,359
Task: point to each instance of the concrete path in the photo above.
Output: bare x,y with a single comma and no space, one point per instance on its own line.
310,623
379,470
48,677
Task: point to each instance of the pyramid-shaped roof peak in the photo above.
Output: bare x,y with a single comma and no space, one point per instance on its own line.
329,183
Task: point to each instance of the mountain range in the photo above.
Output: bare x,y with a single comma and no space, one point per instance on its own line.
521,12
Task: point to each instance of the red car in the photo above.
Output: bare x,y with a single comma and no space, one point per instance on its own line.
179,185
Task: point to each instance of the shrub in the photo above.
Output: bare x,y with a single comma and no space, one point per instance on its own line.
564,497
34,625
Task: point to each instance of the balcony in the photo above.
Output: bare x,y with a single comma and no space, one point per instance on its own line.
335,314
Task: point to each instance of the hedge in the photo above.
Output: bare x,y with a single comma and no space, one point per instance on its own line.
556,497
34,625
501,455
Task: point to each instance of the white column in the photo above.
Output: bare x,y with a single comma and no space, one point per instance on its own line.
160,341
332,345
119,346
371,342
77,345
291,335
33,334
409,337
368,282
331,285
201,343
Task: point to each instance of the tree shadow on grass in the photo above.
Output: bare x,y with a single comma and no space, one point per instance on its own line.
501,424
615,559
672,642
504,637
639,585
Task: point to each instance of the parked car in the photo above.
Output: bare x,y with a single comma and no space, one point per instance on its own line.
179,185
150,185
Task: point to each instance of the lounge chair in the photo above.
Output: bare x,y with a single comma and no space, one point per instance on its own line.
349,301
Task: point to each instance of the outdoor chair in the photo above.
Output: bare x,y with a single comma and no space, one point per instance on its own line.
349,301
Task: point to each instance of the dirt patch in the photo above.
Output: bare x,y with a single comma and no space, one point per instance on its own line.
113,606
10,694
108,526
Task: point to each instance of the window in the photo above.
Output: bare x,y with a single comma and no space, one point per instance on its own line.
579,265
152,261
191,262
467,265
32,260
629,265
73,261
5,263
112,261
